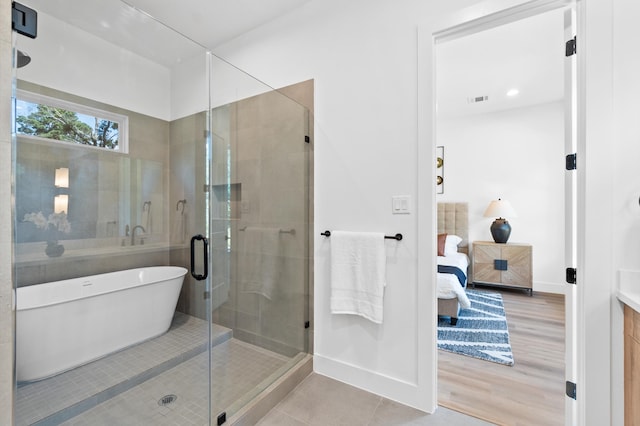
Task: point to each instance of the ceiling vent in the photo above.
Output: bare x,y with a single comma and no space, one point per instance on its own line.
476,99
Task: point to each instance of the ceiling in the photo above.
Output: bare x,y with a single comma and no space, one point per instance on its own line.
213,22
204,24
527,55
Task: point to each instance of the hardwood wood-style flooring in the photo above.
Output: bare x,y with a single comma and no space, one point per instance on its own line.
532,392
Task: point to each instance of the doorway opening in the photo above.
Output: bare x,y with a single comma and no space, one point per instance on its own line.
501,118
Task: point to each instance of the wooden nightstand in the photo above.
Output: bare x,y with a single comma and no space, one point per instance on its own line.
502,264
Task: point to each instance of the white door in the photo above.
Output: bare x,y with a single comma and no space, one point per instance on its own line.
570,124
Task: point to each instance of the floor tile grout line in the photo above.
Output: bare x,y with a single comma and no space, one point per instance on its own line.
93,401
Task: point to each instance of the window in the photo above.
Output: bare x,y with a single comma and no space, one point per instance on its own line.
51,119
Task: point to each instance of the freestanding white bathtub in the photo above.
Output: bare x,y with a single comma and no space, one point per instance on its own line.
63,324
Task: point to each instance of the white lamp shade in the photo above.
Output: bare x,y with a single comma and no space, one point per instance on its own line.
500,208
62,178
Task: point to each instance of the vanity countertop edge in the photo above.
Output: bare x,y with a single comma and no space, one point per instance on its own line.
629,288
629,299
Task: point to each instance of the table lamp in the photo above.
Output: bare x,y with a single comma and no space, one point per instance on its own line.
500,228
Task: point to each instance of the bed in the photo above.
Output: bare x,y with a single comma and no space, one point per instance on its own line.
453,235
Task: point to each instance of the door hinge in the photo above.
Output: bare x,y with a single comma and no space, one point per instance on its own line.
571,275
307,324
207,295
571,389
307,139
570,47
571,162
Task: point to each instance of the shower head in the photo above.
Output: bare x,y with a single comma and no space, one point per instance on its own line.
23,59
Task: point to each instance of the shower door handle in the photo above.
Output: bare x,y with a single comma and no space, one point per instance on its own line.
205,257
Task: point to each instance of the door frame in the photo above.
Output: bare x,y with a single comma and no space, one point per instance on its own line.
503,12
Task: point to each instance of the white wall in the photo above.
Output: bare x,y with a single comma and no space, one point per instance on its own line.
625,146
362,56
74,61
228,84
626,181
189,88
595,274
517,155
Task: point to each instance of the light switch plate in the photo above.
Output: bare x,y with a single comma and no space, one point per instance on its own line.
401,204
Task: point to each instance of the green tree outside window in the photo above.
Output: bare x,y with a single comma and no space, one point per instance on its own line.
60,124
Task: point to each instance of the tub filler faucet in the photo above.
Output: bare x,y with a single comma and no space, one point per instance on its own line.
133,234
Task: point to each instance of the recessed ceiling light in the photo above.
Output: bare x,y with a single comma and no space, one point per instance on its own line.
513,92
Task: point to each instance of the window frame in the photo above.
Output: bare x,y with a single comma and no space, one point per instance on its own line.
121,119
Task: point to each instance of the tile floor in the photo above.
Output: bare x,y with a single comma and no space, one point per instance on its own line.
237,368
126,388
60,397
319,400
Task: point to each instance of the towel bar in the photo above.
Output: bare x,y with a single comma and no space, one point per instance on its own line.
282,231
397,237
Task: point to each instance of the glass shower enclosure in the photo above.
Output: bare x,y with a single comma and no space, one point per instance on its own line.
161,255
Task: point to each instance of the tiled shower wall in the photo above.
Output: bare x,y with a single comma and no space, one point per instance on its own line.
304,93
270,188
187,178
148,149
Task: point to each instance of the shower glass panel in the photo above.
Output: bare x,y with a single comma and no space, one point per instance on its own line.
112,156
260,228
136,147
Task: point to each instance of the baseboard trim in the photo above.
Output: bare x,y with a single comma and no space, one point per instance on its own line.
545,287
388,387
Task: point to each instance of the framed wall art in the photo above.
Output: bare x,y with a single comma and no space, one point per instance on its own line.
440,170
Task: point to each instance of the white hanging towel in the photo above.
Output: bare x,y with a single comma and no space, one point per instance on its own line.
260,261
145,220
358,270
179,226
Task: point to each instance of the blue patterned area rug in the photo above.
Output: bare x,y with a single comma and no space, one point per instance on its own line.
481,331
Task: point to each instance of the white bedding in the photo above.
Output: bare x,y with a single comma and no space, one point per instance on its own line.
448,285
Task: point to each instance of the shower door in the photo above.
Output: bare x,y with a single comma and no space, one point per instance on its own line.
111,170
260,185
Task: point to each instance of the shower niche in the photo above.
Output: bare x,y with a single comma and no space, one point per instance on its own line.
228,201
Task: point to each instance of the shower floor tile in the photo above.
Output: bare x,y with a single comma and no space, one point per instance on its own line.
53,400
238,370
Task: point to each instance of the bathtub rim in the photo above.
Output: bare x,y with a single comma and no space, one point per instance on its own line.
183,272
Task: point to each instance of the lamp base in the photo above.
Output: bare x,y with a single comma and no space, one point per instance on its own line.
500,230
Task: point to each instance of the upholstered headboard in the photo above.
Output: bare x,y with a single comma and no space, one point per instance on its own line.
453,218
